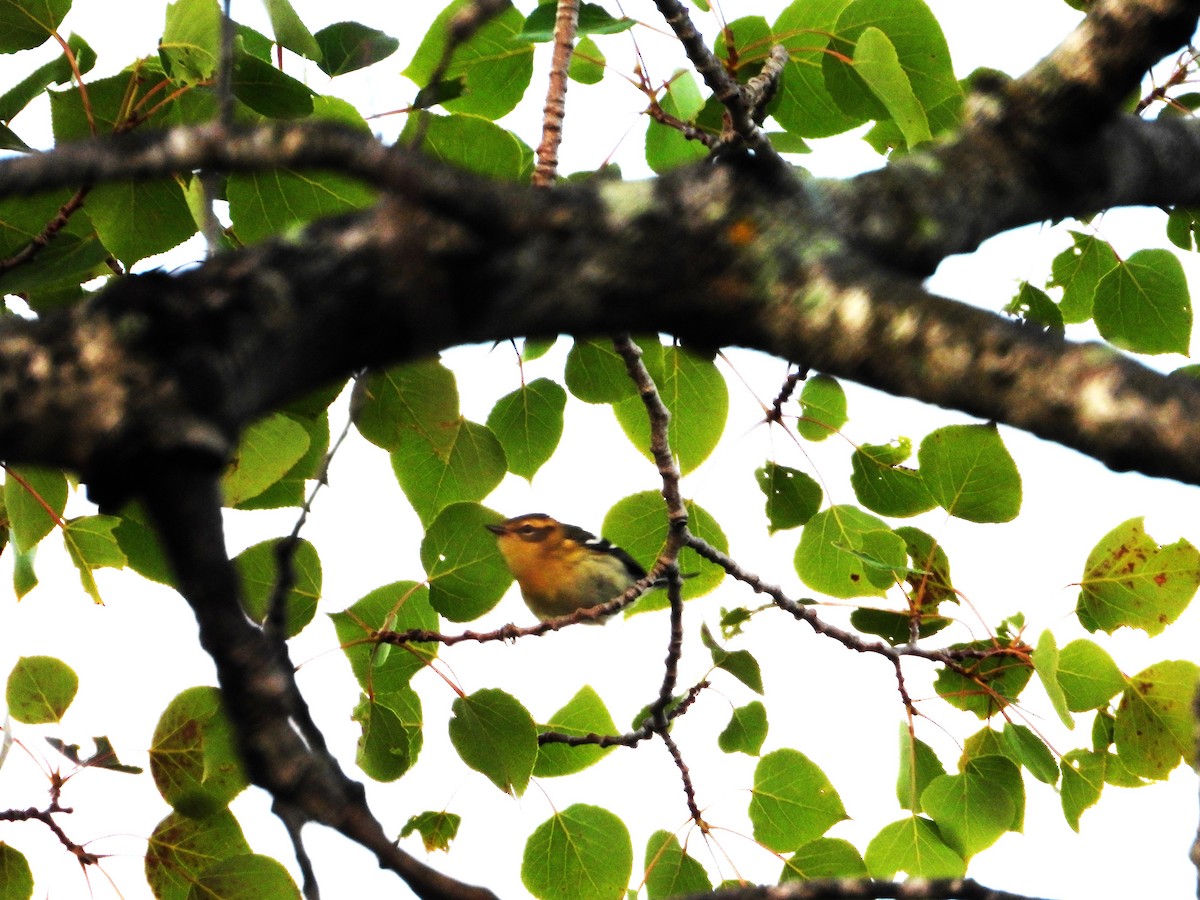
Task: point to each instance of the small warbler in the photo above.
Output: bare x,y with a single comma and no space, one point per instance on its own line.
561,568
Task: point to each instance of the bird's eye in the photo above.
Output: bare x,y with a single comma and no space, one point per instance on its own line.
528,530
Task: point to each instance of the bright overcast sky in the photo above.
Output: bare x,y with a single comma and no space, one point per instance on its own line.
844,712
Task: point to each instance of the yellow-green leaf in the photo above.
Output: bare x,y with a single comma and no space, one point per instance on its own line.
1129,579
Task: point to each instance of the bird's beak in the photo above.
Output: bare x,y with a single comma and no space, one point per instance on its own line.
496,529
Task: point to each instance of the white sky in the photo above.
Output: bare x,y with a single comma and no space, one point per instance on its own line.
137,652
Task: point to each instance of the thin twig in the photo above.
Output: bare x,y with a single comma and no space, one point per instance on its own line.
276,623
739,106
566,23
293,822
629,739
775,414
45,816
848,639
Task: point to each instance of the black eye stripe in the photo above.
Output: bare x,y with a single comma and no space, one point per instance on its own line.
533,533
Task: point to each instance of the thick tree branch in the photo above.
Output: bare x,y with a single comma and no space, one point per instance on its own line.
256,678
861,889
721,256
1048,145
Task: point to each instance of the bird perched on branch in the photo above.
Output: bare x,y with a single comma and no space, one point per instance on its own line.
561,568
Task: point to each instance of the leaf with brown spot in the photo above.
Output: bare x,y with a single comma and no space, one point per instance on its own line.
1131,580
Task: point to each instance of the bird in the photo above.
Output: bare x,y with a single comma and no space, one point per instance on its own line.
562,568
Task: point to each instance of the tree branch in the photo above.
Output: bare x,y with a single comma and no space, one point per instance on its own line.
257,680
861,889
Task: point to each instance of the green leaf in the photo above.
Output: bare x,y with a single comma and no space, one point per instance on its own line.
401,606
34,499
246,877
437,829
190,46
24,577
666,147
268,449
593,19
1181,227
1034,306
1088,676
1032,752
695,393
58,71
670,871
876,62
804,106
494,734
1103,726
822,408
536,348
466,573
1078,270
1129,579
824,858
970,473
832,557
1082,782
413,400
472,143
139,542
290,489
974,809
110,101
919,765
581,853
25,24
391,736
193,755
920,53
39,689
258,569
792,496
792,801
74,255
1143,304
269,91
1155,727
528,423
466,469
991,682
496,63
738,663
638,524
9,140
16,877
289,31
583,714
895,627
349,46
985,742
749,37
884,486
264,204
1045,663
181,848
914,846
137,220
587,63
746,731
595,373
91,544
